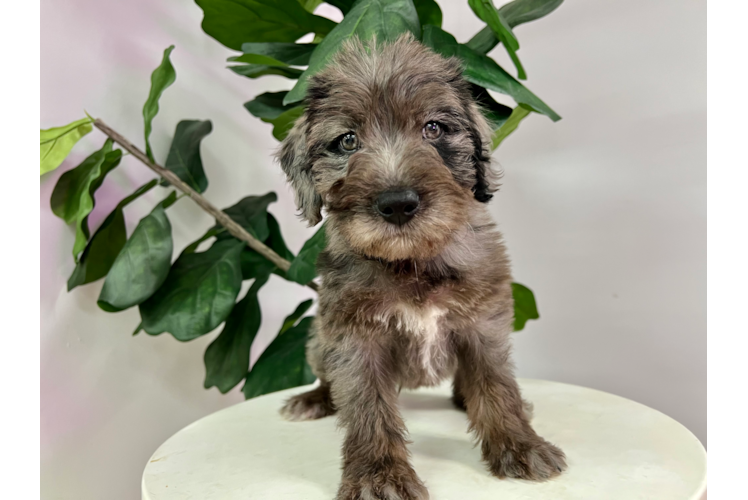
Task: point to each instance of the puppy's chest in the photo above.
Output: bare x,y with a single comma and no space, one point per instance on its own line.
425,341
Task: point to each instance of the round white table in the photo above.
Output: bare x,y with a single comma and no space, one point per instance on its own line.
615,448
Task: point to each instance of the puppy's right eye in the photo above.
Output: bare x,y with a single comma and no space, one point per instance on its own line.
347,143
432,130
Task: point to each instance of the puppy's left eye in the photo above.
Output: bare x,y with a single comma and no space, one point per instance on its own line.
432,130
348,143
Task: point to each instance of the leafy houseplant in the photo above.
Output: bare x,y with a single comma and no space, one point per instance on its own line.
198,291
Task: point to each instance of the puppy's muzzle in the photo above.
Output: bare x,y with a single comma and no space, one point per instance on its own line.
398,206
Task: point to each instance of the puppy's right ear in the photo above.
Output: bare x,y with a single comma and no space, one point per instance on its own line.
295,162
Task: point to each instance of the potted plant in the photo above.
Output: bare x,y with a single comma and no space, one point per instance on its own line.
197,292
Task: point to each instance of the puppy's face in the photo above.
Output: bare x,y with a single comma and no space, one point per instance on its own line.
393,146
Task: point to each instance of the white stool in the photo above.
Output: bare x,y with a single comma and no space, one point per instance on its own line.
615,448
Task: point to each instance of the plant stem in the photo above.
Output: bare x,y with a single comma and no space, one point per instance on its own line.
231,226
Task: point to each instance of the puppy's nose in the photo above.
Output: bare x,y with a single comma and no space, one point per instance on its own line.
398,206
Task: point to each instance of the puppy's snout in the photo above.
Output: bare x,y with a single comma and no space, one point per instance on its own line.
398,206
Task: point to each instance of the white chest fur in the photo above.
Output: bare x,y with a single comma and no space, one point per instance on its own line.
423,323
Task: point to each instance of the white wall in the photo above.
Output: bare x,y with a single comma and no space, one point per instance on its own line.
604,214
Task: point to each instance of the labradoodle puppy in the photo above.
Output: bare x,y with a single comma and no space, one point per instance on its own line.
415,279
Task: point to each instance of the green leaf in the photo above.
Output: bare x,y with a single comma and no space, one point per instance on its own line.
73,196
184,154
258,70
304,267
276,54
107,242
310,5
73,186
283,364
291,320
170,199
483,71
486,11
283,124
495,113
251,213
428,12
343,5
227,357
210,233
253,264
514,14
385,19
234,22
56,143
518,114
198,293
524,11
268,105
142,265
98,256
161,78
483,41
524,306
275,239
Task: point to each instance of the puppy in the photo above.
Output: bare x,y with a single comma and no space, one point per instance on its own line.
415,281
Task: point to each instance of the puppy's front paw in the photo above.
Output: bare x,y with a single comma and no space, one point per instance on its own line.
398,482
533,458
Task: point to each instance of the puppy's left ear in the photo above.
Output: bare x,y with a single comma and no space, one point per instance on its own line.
480,132
295,162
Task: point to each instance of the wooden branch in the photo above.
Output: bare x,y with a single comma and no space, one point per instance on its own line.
231,226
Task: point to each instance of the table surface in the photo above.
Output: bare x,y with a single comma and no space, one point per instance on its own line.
615,448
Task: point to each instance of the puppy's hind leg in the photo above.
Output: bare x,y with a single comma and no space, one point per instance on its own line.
309,405
316,403
458,397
